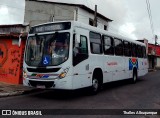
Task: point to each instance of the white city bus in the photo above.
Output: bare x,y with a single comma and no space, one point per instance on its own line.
72,55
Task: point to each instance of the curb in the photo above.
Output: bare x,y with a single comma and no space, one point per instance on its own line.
152,70
7,94
16,93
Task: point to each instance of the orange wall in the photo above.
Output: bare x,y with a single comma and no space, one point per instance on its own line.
11,61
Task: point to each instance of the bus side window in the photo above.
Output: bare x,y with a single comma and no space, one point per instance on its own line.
81,50
127,48
96,43
139,51
108,46
118,47
83,45
134,50
144,52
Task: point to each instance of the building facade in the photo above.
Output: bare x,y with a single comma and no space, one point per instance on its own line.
153,53
154,56
12,43
43,11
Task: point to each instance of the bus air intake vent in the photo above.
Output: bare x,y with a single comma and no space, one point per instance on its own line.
43,70
46,84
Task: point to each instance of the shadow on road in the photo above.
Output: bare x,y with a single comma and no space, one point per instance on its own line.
77,94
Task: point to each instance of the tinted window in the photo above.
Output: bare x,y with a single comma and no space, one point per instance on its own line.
80,52
134,50
144,52
139,51
83,45
47,50
108,45
127,48
118,47
96,44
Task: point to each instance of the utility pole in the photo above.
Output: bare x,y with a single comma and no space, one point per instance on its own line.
95,17
156,37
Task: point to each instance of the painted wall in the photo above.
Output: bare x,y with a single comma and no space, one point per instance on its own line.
11,59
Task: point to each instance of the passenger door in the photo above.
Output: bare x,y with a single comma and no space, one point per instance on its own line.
80,59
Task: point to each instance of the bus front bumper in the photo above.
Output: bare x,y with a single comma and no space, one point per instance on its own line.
64,83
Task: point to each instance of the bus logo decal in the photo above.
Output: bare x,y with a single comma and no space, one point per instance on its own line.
45,76
133,62
112,63
39,75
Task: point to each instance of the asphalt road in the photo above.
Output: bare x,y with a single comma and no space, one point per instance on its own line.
145,94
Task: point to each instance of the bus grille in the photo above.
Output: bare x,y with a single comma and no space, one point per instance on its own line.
46,84
43,70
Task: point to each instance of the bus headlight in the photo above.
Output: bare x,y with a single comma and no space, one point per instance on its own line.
24,74
63,73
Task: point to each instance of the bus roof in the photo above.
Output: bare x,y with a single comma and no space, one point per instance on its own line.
104,32
94,29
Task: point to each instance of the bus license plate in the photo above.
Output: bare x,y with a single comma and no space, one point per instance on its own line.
41,86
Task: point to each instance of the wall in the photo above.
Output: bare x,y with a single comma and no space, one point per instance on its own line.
152,57
39,12
158,62
11,59
151,47
84,16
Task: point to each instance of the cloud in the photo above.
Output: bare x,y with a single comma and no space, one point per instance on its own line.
138,15
129,16
3,10
11,13
128,29
4,14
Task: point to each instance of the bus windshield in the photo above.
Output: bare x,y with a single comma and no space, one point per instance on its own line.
48,49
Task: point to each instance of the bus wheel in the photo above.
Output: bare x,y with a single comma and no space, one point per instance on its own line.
134,78
95,86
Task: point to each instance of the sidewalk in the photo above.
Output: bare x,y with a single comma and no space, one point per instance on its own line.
152,70
13,90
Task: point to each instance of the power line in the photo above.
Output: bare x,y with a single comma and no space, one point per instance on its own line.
150,16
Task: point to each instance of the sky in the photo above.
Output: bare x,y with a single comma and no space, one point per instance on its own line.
130,17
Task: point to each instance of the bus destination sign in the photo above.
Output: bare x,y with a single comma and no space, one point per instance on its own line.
50,27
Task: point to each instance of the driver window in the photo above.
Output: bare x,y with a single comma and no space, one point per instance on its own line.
80,52
83,45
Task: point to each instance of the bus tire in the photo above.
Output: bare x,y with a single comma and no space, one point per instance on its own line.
95,86
96,82
134,77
